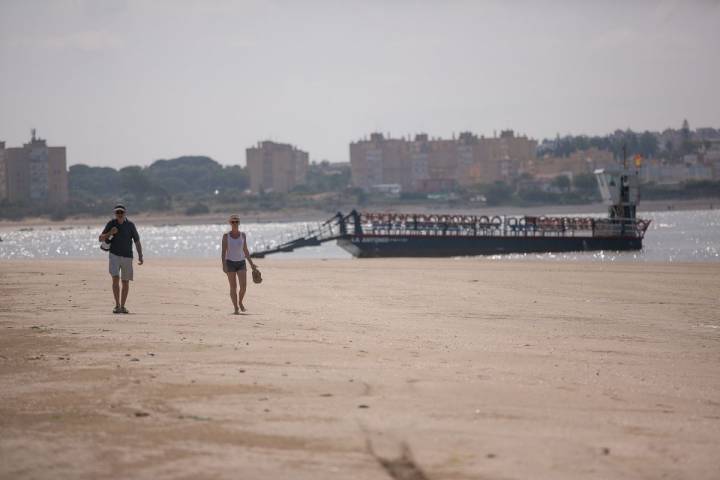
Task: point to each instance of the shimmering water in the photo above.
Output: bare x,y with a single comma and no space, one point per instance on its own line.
676,236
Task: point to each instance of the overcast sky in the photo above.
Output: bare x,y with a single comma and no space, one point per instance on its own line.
124,82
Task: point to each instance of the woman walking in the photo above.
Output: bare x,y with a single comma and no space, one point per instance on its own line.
234,253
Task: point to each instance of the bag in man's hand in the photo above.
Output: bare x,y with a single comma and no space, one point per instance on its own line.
105,245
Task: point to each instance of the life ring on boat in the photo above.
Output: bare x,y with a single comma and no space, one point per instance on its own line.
496,221
484,221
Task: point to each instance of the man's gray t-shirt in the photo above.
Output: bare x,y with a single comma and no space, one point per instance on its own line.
121,244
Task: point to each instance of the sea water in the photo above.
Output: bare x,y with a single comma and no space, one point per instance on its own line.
673,236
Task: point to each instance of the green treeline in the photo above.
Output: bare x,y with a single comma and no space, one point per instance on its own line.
196,185
160,186
645,144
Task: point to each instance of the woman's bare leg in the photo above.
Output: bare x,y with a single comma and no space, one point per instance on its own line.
242,280
233,289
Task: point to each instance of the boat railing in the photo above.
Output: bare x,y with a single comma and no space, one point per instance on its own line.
378,224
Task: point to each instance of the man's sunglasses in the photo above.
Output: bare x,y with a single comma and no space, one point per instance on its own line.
119,212
234,221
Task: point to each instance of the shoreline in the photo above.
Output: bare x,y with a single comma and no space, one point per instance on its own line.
306,215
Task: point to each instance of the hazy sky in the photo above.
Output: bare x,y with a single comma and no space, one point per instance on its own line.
129,81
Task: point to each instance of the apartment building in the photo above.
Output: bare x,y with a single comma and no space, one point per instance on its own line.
276,167
425,164
379,161
34,173
579,162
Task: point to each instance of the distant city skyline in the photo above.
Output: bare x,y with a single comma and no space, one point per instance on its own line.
124,82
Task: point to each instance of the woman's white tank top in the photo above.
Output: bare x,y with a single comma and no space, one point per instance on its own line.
235,250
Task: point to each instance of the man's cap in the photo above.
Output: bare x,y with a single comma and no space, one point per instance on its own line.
234,217
119,207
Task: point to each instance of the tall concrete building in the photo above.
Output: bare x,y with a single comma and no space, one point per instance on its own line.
577,163
380,161
276,167
500,158
35,173
426,165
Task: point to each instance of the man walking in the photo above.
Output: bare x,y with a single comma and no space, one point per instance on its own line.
121,232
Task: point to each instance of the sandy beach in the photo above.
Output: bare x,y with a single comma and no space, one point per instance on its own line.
477,368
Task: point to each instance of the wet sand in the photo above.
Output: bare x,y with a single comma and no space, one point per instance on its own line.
483,369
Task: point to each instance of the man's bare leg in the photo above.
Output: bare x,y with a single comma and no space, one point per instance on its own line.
242,280
116,290
233,288
125,290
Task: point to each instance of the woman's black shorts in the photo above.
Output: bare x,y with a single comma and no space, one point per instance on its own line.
233,266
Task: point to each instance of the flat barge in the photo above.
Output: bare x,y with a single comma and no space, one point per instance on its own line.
417,235
370,234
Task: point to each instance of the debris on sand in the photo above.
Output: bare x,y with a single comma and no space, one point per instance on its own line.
401,468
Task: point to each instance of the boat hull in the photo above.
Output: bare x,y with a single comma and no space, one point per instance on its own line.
417,246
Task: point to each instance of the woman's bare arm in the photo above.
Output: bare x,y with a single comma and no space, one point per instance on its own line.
247,253
223,249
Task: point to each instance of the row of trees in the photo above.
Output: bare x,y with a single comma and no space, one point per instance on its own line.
180,176
645,144
155,187
192,184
